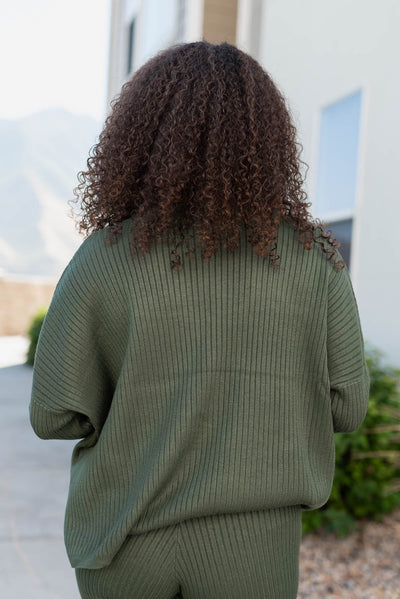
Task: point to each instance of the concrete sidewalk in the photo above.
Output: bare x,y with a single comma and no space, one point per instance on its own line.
34,478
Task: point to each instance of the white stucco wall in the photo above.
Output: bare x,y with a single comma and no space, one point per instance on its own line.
318,52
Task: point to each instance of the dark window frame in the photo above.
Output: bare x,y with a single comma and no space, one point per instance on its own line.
131,45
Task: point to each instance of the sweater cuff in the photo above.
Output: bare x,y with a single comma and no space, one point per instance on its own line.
57,424
349,404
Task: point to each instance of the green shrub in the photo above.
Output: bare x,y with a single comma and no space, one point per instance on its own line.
33,334
367,472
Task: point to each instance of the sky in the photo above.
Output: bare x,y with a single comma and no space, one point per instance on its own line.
54,53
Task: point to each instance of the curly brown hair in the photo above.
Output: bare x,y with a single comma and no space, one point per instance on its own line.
200,137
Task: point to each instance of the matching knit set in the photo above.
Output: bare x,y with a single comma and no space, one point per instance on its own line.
206,402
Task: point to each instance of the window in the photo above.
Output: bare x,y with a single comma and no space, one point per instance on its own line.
342,231
131,46
338,167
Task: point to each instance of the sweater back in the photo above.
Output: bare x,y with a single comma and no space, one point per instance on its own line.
215,389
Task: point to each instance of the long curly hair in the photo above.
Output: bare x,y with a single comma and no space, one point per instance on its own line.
200,137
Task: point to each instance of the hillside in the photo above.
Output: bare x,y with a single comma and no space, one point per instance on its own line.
40,158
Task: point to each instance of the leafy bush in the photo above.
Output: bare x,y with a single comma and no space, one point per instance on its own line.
33,334
367,473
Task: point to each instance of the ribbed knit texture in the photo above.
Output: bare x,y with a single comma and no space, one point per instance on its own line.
226,556
216,389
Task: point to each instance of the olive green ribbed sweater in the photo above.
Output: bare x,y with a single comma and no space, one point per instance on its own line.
211,390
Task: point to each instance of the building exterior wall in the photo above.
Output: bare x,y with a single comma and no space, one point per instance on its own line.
161,23
219,20
20,298
157,25
318,53
248,27
116,59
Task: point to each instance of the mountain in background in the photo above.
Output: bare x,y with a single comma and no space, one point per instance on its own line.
40,157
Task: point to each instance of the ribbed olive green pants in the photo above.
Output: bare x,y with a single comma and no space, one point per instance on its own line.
247,555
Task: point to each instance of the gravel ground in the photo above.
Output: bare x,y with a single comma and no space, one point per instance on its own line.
365,565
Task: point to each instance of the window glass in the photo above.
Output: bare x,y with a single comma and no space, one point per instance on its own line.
338,156
342,231
131,45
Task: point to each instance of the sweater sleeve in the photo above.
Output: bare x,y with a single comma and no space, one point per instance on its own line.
348,370
70,386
